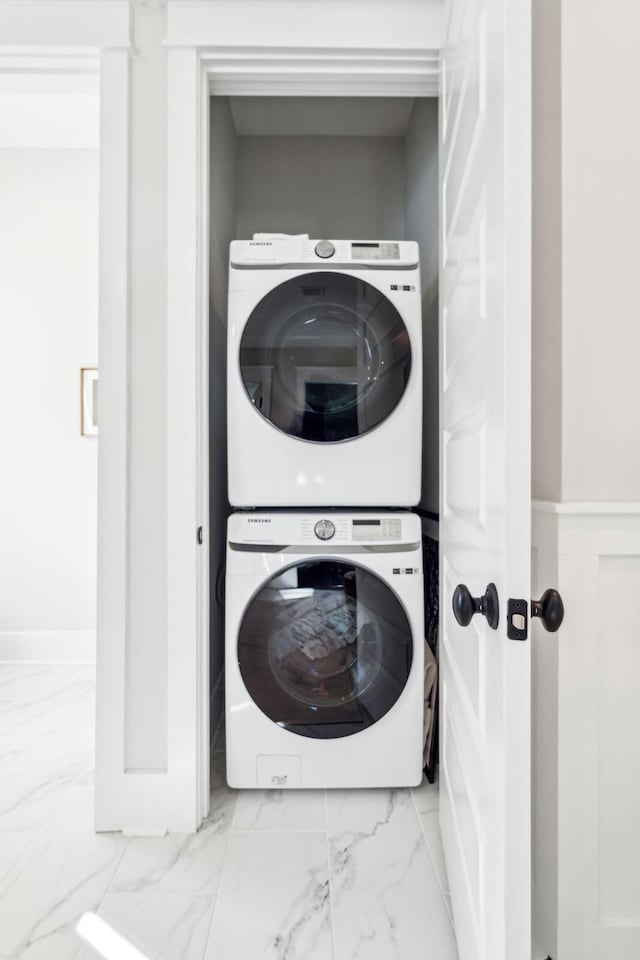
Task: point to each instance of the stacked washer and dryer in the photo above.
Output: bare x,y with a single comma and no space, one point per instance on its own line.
324,588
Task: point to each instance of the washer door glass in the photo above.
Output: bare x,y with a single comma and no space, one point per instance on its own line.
325,649
325,357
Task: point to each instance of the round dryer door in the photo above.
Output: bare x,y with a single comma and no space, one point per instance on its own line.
325,649
325,357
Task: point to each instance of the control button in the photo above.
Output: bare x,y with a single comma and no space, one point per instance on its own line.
325,249
324,529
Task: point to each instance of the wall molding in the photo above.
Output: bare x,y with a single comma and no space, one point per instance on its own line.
48,646
241,71
583,508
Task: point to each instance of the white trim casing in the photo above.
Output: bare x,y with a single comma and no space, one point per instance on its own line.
240,71
586,787
207,43
355,25
517,134
113,453
187,444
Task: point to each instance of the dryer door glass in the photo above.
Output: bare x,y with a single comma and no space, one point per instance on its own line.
325,649
325,357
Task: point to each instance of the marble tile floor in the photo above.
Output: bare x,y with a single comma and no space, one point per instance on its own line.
293,875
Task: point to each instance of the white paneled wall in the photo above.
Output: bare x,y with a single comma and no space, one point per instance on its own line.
587,734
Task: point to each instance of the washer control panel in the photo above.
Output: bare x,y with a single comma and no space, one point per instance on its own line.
324,529
375,251
368,530
330,531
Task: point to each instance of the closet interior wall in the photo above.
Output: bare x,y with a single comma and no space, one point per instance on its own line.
338,167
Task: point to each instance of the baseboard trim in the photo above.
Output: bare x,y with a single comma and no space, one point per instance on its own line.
48,646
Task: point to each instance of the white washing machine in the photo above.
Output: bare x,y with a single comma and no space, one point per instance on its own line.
324,373
324,650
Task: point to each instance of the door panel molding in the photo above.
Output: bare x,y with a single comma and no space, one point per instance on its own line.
485,470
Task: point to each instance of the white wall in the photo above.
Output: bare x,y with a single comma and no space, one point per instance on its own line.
146,648
48,330
421,216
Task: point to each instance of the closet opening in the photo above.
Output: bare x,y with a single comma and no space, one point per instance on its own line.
333,168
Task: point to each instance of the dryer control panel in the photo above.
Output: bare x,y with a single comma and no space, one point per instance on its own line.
329,253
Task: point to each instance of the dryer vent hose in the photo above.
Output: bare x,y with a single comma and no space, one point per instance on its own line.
220,580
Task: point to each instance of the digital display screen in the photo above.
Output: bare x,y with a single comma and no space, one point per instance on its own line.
366,250
374,531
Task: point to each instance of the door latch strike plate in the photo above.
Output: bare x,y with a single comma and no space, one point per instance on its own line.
200,536
517,619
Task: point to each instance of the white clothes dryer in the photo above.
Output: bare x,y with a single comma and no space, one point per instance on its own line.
324,374
324,650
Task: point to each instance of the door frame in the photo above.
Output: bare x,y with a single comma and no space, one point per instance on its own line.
210,55
70,37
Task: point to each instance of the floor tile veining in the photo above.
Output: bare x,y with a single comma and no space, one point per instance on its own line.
271,875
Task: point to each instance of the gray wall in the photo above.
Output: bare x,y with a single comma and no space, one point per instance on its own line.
222,199
421,217
586,296
546,461
546,347
290,185
600,216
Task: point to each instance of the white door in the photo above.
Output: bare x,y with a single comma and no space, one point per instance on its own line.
485,465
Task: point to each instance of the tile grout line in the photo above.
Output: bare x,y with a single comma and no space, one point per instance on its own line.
216,900
446,897
426,840
277,833
329,878
107,889
34,836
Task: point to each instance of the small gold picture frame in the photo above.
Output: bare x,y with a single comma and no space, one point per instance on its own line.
89,401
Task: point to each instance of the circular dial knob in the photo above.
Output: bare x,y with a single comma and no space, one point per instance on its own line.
324,529
325,249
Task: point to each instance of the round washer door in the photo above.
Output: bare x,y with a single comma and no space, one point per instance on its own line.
325,357
325,649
